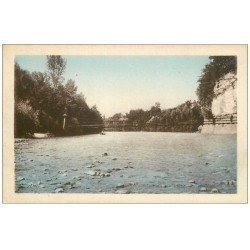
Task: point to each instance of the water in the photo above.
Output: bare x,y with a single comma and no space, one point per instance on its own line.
137,162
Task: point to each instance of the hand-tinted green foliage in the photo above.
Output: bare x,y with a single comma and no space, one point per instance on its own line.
212,72
56,67
41,101
186,117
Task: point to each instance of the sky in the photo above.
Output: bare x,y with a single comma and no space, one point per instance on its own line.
117,84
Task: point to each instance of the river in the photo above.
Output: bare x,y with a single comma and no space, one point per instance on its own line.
127,162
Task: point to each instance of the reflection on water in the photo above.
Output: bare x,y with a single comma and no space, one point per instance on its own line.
136,162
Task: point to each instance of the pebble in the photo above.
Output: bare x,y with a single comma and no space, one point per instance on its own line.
41,186
123,191
164,186
114,159
203,189
126,167
107,175
59,190
214,190
232,182
191,181
20,178
54,183
120,186
105,154
92,173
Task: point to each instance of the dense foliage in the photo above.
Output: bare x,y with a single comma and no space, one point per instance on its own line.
41,99
184,118
211,73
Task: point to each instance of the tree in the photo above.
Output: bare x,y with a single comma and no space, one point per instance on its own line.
40,103
156,109
56,67
212,72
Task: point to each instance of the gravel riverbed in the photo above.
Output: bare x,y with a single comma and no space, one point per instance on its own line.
127,162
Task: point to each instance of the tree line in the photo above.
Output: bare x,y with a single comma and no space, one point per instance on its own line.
42,98
188,116
185,117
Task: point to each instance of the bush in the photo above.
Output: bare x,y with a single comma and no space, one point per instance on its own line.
26,119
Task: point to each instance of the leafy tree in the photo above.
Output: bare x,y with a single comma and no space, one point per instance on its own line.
56,67
212,72
40,103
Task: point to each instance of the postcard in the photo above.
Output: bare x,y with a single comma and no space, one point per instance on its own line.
125,123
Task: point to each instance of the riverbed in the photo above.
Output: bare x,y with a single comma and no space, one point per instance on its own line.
127,162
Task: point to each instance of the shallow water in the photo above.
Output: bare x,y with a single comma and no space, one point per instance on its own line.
137,162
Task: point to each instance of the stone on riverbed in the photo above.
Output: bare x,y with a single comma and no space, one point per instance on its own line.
203,189
20,178
229,182
116,169
114,159
107,174
79,177
120,186
59,190
92,173
123,191
191,181
105,154
214,190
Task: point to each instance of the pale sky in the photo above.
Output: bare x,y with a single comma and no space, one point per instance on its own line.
116,84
